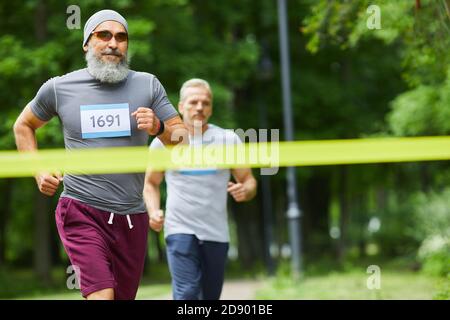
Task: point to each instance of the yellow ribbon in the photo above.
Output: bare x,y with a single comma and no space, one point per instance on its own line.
263,155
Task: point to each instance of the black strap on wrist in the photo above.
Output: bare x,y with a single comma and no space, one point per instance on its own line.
161,128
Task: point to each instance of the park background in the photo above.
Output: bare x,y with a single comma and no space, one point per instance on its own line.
349,80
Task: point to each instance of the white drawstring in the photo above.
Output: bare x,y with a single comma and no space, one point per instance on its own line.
129,221
111,217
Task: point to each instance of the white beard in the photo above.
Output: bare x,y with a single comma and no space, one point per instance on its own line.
109,72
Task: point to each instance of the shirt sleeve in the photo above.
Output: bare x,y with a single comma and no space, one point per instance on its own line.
43,104
156,144
161,105
232,137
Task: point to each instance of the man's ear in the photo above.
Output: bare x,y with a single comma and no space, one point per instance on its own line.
180,107
85,48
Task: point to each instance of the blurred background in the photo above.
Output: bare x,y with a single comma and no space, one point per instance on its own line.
352,77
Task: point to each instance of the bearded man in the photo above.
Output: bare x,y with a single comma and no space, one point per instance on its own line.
101,219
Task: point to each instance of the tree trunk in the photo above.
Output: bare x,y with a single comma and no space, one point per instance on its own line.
425,179
344,213
42,245
40,21
316,202
248,224
5,209
267,212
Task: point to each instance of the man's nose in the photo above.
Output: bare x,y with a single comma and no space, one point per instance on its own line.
112,43
199,106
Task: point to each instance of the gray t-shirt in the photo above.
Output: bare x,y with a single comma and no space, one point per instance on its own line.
95,114
197,198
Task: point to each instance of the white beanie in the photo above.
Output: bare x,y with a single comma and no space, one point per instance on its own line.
99,17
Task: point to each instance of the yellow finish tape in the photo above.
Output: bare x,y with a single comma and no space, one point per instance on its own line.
263,155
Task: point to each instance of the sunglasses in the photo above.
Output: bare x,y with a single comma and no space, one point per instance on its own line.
106,36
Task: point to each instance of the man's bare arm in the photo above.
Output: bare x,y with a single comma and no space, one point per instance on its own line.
25,130
152,198
25,135
151,194
175,132
245,187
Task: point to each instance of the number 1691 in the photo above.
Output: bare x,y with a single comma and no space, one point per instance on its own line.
102,121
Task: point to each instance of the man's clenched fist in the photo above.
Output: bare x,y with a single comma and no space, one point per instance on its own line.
147,120
156,220
48,183
237,191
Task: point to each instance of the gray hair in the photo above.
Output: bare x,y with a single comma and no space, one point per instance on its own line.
109,72
194,83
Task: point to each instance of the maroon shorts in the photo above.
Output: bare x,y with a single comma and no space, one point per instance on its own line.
109,251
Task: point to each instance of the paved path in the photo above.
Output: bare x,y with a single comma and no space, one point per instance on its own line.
240,290
233,290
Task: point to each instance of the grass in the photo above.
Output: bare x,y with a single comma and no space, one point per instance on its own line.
155,283
398,281
24,284
352,286
147,292
336,285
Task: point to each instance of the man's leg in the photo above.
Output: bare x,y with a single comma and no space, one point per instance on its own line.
105,294
87,247
128,253
213,257
184,264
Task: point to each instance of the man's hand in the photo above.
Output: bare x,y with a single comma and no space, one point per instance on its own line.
147,120
156,220
48,183
238,191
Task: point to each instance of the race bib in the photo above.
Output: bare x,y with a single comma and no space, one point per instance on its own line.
105,120
198,172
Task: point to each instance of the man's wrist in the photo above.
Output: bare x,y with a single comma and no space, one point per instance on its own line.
153,210
159,128
155,128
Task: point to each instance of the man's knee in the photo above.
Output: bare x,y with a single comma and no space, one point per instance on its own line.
186,293
104,294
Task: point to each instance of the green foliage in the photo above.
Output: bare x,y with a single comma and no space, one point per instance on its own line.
419,37
395,237
437,261
433,213
175,40
395,17
351,286
18,235
424,110
418,41
433,225
414,112
443,292
347,82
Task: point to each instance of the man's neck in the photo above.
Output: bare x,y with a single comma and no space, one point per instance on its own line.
195,130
